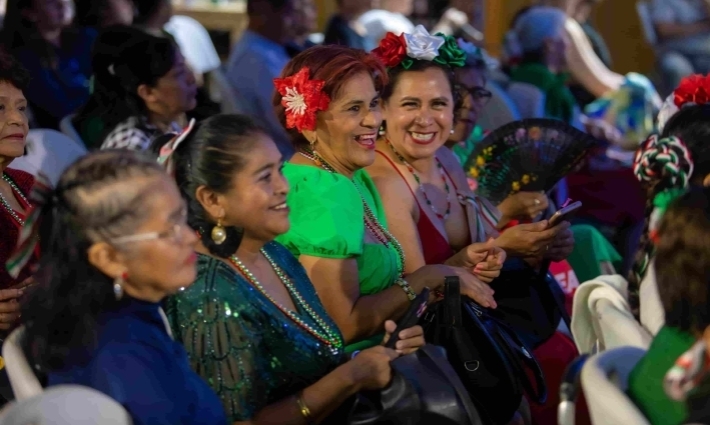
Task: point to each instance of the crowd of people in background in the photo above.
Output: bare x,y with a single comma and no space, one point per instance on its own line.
236,240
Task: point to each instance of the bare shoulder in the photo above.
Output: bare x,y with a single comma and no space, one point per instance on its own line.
392,187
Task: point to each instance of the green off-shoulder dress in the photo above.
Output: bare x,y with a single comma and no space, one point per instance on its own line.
247,350
327,220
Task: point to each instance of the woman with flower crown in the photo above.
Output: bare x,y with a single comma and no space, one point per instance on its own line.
426,196
328,98
251,323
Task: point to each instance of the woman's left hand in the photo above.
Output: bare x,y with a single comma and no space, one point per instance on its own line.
490,268
410,339
561,247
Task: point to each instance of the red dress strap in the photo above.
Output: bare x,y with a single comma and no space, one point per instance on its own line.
435,247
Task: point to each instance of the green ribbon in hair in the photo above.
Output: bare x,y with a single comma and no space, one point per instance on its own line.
664,199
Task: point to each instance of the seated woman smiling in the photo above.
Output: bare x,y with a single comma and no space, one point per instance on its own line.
328,99
252,322
427,200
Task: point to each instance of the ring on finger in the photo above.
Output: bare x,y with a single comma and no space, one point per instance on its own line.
537,202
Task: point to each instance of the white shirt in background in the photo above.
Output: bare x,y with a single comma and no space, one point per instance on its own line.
379,22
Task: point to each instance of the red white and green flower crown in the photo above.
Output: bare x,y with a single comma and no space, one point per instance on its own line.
404,49
301,98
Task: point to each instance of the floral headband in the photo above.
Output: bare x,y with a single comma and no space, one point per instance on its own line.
166,152
692,90
302,98
404,49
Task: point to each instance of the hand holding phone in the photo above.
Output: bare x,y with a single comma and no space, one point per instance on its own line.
411,318
563,214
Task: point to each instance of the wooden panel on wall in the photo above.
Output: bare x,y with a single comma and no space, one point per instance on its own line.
325,8
497,16
619,24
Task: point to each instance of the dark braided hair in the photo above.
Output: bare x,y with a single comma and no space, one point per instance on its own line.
97,198
680,155
213,152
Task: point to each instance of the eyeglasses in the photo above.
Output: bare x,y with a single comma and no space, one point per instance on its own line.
175,234
478,93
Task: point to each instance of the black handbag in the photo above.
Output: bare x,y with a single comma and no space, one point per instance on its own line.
488,356
424,390
530,302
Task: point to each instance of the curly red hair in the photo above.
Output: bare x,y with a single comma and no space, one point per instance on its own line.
335,65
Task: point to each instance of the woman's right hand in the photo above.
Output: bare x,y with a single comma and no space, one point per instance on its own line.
370,369
9,307
432,276
529,240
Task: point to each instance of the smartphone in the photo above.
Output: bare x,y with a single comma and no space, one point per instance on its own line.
416,310
564,214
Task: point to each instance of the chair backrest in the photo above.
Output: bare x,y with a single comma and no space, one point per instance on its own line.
65,405
222,91
499,111
529,99
649,31
50,152
67,127
605,380
22,379
195,43
618,328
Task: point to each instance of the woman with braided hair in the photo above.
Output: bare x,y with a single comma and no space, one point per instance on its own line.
667,165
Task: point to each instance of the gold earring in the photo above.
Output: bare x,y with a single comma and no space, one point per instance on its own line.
219,235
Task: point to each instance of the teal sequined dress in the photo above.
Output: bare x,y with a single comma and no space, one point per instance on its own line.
247,350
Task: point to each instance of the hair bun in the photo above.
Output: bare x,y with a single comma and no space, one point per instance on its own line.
664,160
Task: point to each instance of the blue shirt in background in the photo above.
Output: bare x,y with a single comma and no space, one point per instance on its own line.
140,366
55,92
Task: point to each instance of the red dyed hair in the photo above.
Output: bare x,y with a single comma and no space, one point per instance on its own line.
335,65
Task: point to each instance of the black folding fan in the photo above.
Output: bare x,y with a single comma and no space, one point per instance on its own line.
528,155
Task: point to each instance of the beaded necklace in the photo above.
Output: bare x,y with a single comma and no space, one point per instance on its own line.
442,173
371,222
325,334
6,204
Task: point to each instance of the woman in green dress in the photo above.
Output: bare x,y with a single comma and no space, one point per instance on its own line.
328,99
252,323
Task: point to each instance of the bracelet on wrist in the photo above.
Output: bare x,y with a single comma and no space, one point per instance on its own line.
406,288
305,411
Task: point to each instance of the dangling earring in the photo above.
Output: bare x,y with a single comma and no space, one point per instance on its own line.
219,235
118,285
382,131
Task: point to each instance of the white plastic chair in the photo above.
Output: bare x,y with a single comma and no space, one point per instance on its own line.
67,127
605,381
50,152
222,91
23,381
499,111
65,405
195,43
529,99
649,31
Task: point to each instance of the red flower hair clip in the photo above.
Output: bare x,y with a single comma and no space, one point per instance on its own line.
302,98
392,50
694,89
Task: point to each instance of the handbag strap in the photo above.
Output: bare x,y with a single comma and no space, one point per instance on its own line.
452,301
539,391
553,296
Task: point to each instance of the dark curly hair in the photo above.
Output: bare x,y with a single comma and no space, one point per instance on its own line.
98,197
683,277
213,152
11,71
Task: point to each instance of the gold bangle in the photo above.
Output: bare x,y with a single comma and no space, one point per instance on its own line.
305,411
